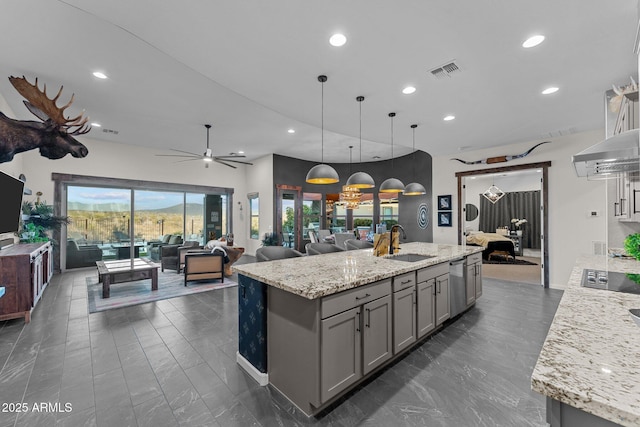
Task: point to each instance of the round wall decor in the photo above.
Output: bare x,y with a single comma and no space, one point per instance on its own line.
423,216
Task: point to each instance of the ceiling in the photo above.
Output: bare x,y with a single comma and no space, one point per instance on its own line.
250,69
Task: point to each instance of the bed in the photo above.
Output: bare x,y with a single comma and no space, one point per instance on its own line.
492,242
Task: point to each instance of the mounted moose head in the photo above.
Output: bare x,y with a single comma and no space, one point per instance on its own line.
53,137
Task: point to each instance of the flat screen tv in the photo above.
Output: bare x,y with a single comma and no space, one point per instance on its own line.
11,199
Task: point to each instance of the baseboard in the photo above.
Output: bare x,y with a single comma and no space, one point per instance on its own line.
260,377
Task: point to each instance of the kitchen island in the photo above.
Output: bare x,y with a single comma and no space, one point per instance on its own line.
314,327
589,365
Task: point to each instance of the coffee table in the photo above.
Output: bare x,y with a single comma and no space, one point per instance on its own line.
126,270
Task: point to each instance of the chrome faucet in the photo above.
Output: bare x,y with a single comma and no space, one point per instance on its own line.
393,230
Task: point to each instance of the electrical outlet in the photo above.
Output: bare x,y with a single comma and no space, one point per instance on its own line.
593,213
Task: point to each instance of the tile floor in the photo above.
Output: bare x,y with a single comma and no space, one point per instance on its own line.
172,363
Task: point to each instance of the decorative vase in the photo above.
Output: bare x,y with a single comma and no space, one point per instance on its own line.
518,232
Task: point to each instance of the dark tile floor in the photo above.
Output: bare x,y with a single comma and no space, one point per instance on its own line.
173,363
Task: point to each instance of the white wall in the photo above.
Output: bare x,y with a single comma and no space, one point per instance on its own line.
107,159
571,230
259,179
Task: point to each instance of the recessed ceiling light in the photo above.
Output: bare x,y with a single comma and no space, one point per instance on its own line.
94,124
533,41
337,40
291,131
408,90
100,75
449,118
550,90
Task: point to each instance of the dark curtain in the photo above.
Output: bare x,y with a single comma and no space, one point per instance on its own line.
519,204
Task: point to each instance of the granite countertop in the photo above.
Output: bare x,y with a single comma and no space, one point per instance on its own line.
321,275
591,356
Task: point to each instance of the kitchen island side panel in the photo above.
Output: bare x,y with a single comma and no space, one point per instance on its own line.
252,322
294,347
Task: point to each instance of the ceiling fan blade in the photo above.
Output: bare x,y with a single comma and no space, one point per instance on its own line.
233,161
188,152
231,157
178,155
186,160
223,163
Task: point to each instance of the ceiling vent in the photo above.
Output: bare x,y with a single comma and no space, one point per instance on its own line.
445,70
114,132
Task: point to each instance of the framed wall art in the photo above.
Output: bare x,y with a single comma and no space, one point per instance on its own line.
444,219
444,203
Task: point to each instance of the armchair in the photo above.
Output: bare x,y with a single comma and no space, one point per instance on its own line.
170,255
204,266
154,250
82,256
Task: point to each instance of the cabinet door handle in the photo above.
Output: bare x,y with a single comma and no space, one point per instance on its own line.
358,322
404,282
615,209
622,207
634,201
365,296
414,297
368,324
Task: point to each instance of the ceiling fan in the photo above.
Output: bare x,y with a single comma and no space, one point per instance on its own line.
208,156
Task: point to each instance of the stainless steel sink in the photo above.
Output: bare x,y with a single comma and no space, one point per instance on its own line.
410,257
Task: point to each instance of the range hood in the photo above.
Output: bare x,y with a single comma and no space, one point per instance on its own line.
618,154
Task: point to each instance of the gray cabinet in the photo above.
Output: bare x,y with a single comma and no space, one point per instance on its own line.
376,333
443,310
404,318
426,307
356,341
473,278
340,354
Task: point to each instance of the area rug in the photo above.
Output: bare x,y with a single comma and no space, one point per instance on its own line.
510,261
170,285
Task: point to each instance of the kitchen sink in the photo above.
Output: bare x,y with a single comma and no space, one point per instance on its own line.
410,257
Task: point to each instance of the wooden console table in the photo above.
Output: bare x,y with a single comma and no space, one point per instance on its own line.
25,271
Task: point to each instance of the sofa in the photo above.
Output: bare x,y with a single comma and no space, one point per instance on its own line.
82,255
154,247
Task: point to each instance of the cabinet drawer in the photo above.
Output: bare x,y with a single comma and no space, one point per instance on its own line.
474,258
432,272
337,303
404,281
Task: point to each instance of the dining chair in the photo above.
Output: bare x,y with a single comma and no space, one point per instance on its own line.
353,244
322,248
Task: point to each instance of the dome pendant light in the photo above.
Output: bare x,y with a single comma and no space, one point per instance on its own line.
361,179
322,173
414,188
392,185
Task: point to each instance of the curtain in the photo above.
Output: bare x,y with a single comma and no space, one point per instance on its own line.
518,204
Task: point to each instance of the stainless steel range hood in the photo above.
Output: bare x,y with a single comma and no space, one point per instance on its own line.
617,154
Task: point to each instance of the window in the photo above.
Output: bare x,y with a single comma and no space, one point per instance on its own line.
311,210
254,215
388,209
363,214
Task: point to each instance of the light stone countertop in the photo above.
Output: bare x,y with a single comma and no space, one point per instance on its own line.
321,275
591,356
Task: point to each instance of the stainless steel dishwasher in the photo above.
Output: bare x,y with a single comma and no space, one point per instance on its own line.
457,286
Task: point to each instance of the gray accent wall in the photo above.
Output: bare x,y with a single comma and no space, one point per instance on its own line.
292,171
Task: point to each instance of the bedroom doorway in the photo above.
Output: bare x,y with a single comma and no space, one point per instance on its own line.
514,215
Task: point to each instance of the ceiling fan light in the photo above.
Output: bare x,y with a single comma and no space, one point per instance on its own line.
392,185
207,159
361,180
322,174
414,189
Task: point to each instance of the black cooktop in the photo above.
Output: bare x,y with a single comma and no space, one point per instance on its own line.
611,281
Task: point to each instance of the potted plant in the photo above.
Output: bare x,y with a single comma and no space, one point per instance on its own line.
270,239
40,221
632,245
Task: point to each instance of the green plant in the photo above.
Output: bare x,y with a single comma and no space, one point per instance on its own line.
41,220
270,239
632,245
34,233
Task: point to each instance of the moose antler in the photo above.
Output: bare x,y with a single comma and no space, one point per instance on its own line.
39,100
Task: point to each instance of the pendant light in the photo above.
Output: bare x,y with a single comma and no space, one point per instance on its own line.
350,195
361,179
493,193
392,185
322,173
414,188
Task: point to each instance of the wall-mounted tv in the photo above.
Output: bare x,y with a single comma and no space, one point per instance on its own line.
11,199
